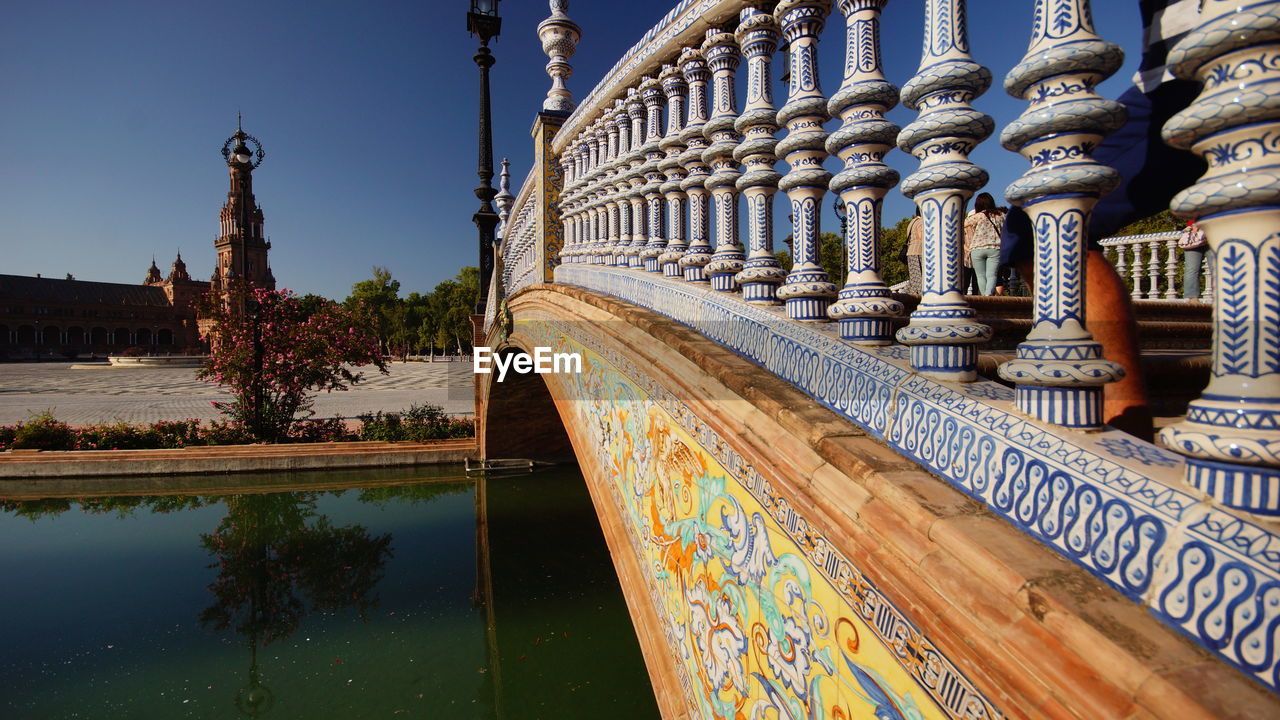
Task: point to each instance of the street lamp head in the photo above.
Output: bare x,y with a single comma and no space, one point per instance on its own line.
840,208
483,20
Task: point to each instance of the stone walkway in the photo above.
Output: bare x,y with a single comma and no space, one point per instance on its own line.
104,394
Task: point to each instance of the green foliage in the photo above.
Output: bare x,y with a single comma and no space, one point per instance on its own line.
1163,221
418,423
273,362
317,431
130,436
439,321
831,255
43,432
893,248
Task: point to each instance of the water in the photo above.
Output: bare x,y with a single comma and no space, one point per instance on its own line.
386,601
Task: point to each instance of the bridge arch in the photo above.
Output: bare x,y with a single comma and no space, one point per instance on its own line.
731,499
518,416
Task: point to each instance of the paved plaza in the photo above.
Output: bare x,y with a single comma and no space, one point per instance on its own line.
103,394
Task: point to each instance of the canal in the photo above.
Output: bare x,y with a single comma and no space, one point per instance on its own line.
383,594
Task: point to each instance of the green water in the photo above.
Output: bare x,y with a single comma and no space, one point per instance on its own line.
439,599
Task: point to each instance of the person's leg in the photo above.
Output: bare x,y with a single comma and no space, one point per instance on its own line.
990,267
1002,277
915,282
1192,261
978,257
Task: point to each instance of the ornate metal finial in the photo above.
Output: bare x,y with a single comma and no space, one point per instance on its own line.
504,199
237,152
560,37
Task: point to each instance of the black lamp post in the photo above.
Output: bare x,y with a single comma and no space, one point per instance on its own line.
842,213
483,21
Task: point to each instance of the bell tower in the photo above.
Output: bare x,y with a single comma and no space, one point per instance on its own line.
242,247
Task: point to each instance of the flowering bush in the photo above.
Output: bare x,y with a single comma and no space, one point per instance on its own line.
275,360
42,432
129,436
330,430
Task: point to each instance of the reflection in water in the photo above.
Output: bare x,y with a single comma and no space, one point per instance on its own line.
349,598
270,552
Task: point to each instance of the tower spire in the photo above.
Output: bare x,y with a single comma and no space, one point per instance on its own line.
241,243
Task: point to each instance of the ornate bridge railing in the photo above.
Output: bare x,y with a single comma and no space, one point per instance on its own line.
1152,265
650,214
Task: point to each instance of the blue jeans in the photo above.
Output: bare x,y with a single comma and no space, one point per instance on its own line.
1193,261
986,261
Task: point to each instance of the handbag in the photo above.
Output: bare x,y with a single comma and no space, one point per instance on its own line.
1192,239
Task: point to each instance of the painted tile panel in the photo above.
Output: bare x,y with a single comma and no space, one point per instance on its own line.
767,617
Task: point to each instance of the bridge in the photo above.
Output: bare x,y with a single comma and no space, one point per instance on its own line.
816,504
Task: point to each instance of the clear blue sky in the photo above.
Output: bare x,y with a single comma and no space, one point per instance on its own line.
115,113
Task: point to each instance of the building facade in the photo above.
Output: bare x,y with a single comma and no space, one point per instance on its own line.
62,319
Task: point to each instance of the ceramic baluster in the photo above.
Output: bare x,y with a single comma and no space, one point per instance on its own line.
656,242
758,35
721,51
807,291
1231,435
942,333
694,67
1059,370
676,89
865,307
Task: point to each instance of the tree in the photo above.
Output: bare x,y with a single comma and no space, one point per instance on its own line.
1163,221
274,363
377,301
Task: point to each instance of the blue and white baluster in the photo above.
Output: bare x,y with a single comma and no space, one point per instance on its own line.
807,291
1059,370
651,95
635,176
619,186
611,204
676,89
721,51
758,36
865,308
696,257
942,333
1231,435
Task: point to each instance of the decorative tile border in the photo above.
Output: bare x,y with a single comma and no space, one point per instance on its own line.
1113,505
629,393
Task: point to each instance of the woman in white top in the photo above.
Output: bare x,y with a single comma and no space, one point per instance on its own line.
982,240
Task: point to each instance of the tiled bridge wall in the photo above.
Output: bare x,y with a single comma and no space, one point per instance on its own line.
779,561
639,195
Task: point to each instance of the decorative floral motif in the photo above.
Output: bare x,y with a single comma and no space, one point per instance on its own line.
1142,452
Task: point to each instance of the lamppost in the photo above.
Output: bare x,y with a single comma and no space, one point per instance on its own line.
842,214
483,21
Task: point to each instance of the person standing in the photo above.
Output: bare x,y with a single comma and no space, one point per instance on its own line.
1194,246
915,248
982,238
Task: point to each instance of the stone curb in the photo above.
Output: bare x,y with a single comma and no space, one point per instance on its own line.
30,464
